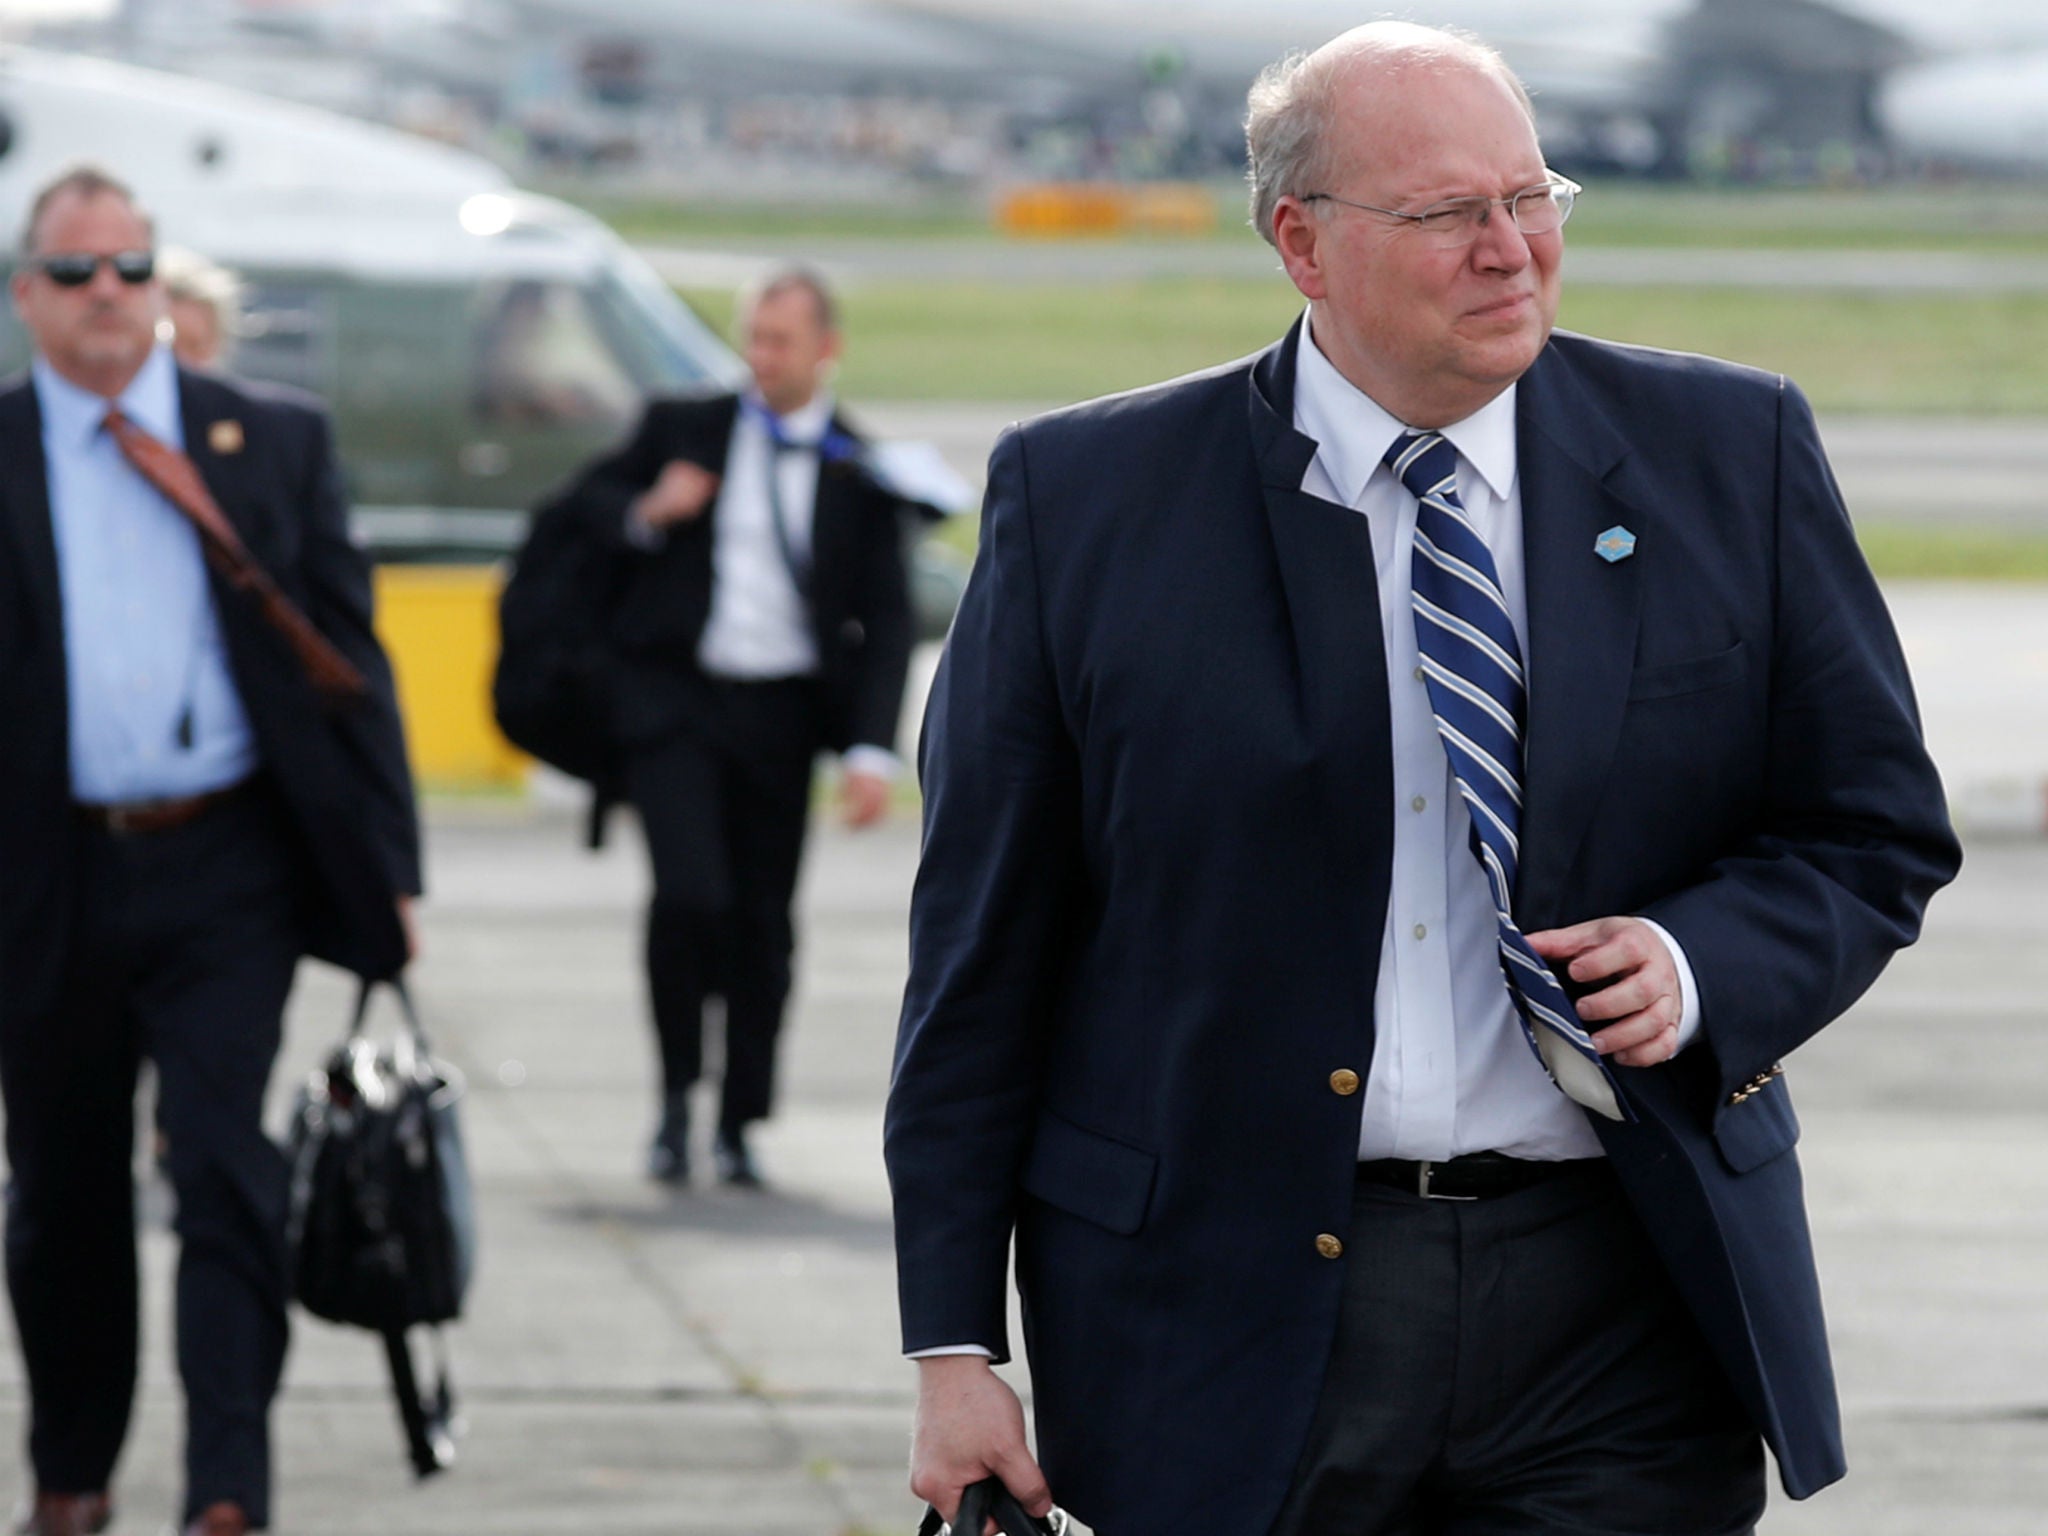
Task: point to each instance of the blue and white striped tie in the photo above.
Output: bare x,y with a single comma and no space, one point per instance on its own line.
1472,666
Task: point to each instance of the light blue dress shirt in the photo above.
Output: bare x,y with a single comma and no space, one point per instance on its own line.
154,709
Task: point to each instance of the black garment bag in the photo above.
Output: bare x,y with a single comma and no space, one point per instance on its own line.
550,691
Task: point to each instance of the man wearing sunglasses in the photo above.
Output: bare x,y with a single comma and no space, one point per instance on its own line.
203,779
1392,803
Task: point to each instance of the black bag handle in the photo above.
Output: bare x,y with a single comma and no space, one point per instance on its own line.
989,1497
364,990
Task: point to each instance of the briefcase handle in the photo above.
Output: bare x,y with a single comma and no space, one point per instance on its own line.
979,1501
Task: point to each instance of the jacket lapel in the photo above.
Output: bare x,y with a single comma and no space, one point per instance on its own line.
1328,582
839,482
216,443
706,439
714,446
1583,614
1329,588
25,501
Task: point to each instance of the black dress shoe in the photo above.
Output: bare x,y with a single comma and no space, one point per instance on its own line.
221,1519
668,1156
66,1514
733,1162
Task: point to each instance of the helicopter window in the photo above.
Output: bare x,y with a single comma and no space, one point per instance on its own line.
544,359
283,333
663,342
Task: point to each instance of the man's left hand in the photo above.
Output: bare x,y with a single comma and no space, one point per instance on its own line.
863,797
1633,984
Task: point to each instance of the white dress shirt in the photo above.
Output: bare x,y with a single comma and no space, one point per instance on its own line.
1452,1071
760,625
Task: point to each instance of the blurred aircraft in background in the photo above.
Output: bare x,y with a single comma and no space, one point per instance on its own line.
475,343
1624,85
699,95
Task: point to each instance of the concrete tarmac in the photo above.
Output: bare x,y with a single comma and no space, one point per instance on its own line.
852,262
641,1361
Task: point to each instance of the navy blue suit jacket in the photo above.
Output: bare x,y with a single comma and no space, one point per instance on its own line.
341,773
1158,838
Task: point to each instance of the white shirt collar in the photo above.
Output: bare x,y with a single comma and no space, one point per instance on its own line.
73,415
807,423
1353,431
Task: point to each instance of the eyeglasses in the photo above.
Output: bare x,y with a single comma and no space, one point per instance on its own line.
1538,210
74,269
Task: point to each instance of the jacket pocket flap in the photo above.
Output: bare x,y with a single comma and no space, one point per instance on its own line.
1753,1132
1089,1175
1695,675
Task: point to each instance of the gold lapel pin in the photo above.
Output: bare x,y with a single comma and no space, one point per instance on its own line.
225,437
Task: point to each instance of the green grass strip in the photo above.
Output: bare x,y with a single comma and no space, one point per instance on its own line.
1906,353
1975,553
1989,218
1896,551
1910,353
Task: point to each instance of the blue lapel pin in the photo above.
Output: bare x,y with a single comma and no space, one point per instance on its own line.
1617,543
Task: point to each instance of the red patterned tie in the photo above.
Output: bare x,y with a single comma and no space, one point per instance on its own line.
178,479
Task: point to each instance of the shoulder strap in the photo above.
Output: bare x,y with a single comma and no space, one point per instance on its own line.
429,1435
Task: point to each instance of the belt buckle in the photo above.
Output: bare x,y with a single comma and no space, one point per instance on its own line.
121,819
1424,1172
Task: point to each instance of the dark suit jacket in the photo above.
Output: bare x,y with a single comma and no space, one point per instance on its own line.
859,597
341,774
1159,828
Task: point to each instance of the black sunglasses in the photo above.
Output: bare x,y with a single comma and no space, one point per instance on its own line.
76,269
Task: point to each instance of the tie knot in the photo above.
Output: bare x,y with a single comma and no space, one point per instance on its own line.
1423,461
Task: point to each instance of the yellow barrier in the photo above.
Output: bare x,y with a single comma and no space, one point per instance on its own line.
1056,209
440,625
1172,208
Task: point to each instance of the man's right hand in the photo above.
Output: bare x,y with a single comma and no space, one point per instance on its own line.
970,1424
681,493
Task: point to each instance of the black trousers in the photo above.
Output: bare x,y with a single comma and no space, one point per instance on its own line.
724,804
181,945
1520,1365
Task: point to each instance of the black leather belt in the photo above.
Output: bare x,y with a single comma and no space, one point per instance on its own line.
143,816
1475,1176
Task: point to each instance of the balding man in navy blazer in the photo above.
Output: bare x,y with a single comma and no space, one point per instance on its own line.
1209,1005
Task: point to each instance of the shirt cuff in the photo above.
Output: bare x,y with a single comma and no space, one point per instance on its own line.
939,1350
879,761
1688,992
